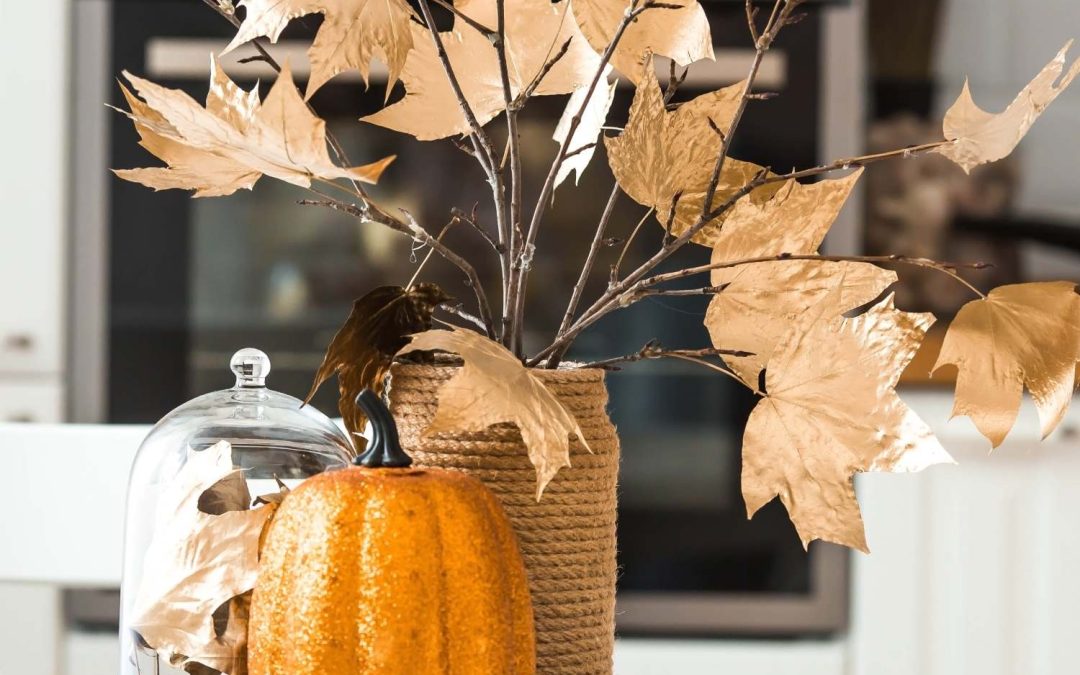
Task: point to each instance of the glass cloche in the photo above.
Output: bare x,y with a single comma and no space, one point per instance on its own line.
203,485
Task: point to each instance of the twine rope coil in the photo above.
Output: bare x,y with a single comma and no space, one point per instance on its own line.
567,539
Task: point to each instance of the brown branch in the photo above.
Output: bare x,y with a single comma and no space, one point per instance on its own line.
370,212
521,281
483,151
653,350
946,268
862,160
587,146
751,17
776,21
456,310
544,70
471,221
476,25
614,278
586,269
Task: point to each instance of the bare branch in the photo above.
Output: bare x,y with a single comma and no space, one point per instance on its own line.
370,212
548,65
654,350
862,160
587,146
518,289
586,268
456,310
476,25
614,279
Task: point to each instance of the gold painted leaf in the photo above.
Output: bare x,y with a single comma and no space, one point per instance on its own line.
588,130
760,301
1019,335
493,387
363,348
234,140
352,33
196,562
662,153
831,412
535,30
681,34
982,137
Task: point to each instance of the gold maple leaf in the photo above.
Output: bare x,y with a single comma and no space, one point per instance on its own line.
352,33
760,301
831,412
493,387
1019,335
198,561
980,137
682,34
535,31
234,140
363,348
662,153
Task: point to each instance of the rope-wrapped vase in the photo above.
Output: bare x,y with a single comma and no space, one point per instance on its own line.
567,538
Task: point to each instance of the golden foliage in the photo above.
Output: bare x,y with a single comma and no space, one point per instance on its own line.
234,140
829,412
761,301
493,387
662,153
980,137
1019,335
682,34
534,33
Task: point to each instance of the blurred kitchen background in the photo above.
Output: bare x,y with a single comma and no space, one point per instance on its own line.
118,303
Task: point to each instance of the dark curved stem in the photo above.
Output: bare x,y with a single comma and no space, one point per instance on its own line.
383,448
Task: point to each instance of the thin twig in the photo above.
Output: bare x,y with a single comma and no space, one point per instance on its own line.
476,25
614,278
541,74
946,268
653,350
472,222
761,46
442,233
586,268
483,151
521,282
862,160
456,310
587,146
370,212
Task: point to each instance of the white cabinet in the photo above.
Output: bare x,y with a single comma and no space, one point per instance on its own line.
38,400
33,185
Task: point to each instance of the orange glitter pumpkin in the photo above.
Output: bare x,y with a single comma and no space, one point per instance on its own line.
386,569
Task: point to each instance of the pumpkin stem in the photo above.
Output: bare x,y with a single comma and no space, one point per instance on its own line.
384,448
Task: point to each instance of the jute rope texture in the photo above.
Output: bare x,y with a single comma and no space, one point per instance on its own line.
567,538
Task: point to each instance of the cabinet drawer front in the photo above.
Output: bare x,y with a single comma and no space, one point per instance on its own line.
31,401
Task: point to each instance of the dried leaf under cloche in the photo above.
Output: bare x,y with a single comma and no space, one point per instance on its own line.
204,555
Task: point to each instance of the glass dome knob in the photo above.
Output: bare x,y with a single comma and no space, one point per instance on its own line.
251,367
